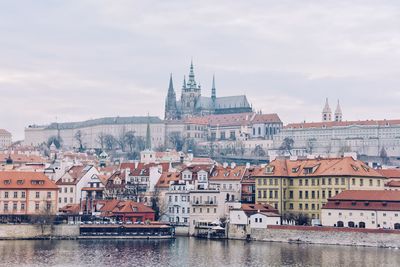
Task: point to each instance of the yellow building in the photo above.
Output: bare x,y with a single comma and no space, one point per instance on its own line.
304,186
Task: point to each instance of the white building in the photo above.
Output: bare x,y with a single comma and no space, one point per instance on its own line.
71,184
5,139
363,209
178,203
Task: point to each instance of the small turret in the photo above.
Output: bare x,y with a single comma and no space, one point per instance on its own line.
326,112
338,112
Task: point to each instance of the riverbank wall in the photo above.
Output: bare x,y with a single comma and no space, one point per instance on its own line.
322,235
36,231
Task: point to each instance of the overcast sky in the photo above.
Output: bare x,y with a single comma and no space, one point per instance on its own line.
76,60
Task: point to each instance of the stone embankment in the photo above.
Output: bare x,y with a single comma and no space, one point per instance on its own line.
35,231
325,235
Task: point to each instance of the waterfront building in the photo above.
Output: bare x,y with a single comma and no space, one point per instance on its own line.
192,103
302,187
5,139
371,209
248,185
207,209
125,210
72,182
27,193
178,203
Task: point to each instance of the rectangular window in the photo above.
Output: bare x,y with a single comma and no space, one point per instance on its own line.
300,182
270,194
343,181
276,194
290,206
306,194
36,206
48,194
22,194
306,182
300,206
5,194
71,189
300,194
313,194
37,194
265,194
361,182
291,194
15,194
6,206
22,206
323,194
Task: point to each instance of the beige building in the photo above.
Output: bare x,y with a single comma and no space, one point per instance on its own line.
27,193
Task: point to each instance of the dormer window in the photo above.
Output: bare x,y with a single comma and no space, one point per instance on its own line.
20,182
308,170
269,169
355,168
7,181
296,169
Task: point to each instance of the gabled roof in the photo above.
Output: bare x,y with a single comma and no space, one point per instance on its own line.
76,173
25,180
251,209
345,166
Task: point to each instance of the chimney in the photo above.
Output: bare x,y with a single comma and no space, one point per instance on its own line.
136,164
225,165
247,165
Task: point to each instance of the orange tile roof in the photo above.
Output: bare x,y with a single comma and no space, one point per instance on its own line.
221,173
25,180
76,172
22,158
346,166
166,178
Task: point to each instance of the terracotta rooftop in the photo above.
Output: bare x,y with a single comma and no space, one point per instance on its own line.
390,173
368,195
346,166
25,180
221,173
166,178
124,206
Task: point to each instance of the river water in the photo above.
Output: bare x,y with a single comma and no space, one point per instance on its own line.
187,252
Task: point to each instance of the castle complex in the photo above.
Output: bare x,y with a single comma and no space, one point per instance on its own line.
192,103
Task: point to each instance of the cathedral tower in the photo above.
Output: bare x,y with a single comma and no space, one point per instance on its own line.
213,93
326,112
171,110
191,93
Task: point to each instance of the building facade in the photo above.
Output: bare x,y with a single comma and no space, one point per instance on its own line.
303,187
27,193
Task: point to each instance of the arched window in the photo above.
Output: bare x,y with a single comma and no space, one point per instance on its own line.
340,224
361,224
350,224
397,226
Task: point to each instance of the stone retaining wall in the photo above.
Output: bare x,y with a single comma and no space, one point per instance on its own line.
30,231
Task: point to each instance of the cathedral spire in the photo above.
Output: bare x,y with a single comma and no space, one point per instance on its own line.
184,82
213,90
191,82
148,134
171,110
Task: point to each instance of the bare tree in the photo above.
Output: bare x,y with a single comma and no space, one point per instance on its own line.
130,140
177,140
158,204
109,141
101,140
79,138
287,145
384,156
258,151
310,145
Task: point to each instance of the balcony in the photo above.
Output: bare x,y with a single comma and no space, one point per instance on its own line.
204,203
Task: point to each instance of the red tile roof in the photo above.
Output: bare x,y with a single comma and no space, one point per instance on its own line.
251,209
124,206
390,173
368,195
365,200
25,180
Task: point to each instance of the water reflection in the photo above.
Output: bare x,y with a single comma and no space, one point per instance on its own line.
187,252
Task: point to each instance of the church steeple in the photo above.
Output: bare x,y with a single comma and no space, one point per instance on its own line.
171,110
326,112
148,134
213,91
191,84
338,112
